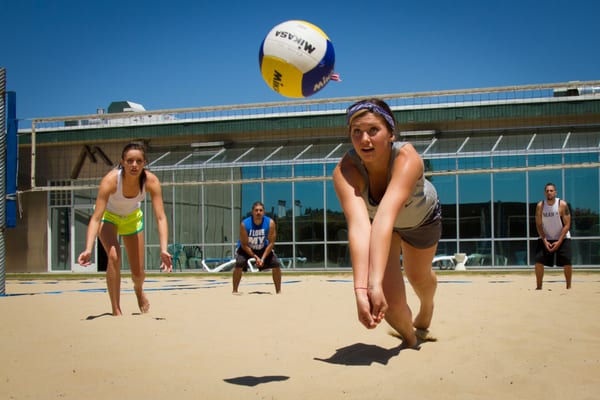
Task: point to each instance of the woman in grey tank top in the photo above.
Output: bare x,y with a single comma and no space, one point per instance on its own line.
390,209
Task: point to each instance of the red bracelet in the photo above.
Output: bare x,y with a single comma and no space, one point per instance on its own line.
360,288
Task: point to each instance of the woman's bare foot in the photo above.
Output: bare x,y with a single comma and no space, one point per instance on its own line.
423,319
424,335
412,343
143,303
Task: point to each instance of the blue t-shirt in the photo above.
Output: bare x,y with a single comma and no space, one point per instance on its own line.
258,235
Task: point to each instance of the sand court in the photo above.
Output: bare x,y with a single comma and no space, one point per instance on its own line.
498,338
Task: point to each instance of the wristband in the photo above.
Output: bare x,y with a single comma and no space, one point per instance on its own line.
360,288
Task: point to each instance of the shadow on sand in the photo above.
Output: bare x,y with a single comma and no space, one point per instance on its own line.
362,354
256,380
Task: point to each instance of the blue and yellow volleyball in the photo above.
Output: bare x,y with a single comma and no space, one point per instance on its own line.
296,59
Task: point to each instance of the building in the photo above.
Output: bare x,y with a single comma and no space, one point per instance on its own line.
489,152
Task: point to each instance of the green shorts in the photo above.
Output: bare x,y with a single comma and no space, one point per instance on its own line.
127,225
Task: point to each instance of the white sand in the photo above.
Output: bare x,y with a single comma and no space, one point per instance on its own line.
498,339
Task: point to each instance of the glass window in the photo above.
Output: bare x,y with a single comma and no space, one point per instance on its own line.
217,213
81,197
479,254
544,160
218,254
318,151
278,205
152,260
478,144
329,167
188,213
312,254
441,164
167,159
229,155
583,139
150,227
285,253
237,211
251,172
210,174
450,145
475,212
510,252
508,161
582,193
579,158
548,141
333,203
446,190
308,170
515,251
446,248
336,221
308,207
586,252
251,193
513,142
474,162
258,153
421,146
277,171
338,255
198,157
510,205
288,152
340,151
125,259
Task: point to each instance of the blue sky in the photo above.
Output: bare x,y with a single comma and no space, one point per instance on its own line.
70,57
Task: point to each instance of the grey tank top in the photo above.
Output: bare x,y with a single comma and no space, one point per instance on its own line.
417,208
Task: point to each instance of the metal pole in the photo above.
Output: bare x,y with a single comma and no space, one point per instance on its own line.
2,180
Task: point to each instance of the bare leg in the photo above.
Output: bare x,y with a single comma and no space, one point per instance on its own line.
276,272
417,267
398,314
237,277
113,281
109,239
539,275
568,273
134,244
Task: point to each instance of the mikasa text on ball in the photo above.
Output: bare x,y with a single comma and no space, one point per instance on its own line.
296,59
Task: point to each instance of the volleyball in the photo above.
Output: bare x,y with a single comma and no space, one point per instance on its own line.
296,59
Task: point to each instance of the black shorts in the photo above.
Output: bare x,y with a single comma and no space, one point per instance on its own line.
271,261
560,257
427,234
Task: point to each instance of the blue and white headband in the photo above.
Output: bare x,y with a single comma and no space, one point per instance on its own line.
374,108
